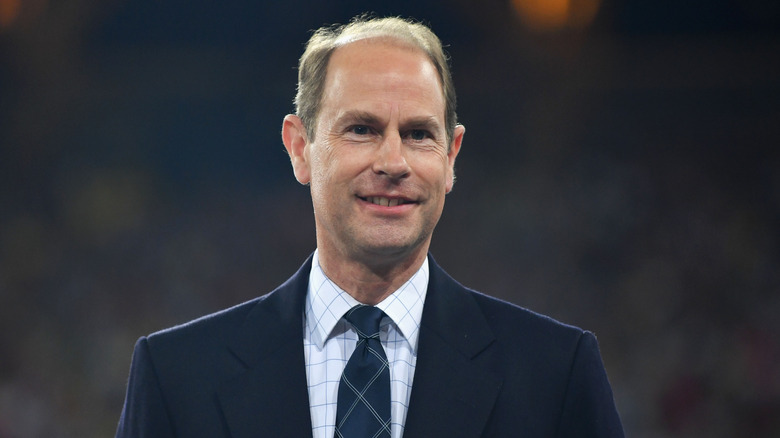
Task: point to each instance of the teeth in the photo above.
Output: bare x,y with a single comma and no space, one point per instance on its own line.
384,201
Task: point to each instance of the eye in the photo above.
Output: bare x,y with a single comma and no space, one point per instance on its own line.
359,130
418,134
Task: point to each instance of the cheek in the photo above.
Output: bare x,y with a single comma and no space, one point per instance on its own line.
435,172
321,162
332,176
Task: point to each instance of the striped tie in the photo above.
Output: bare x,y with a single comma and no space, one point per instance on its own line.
364,390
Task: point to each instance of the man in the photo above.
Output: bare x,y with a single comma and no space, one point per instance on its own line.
375,137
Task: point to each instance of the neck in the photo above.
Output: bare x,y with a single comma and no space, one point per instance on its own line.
370,283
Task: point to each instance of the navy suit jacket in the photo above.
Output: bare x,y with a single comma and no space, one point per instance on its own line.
484,368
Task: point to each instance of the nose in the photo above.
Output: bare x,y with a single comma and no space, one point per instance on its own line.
390,159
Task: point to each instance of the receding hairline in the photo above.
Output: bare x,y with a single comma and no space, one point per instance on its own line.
393,43
390,41
411,31
404,40
400,32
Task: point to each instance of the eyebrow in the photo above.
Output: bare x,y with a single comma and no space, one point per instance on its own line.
429,123
367,118
356,116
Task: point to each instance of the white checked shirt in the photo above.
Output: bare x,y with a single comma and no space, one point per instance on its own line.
329,340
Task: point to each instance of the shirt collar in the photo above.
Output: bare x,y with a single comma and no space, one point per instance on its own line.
326,303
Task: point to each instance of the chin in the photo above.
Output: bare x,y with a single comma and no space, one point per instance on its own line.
393,249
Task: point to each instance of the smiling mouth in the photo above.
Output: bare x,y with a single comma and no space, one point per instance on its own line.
385,202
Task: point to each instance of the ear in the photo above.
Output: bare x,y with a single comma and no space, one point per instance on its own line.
452,153
294,139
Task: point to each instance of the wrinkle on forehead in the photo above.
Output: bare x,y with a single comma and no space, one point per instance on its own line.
343,72
387,41
382,85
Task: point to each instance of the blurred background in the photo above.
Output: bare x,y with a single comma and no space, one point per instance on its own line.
620,172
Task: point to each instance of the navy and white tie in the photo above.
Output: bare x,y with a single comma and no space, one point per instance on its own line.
363,409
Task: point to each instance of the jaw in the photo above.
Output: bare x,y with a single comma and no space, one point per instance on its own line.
377,234
371,254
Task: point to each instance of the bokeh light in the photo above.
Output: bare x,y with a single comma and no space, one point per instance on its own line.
9,12
546,16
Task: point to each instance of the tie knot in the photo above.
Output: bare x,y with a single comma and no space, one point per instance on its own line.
365,319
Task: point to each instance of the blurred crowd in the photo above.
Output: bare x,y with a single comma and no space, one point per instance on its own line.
626,181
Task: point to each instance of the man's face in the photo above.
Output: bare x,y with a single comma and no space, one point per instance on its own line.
380,166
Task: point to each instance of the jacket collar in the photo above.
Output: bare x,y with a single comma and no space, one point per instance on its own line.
271,396
453,391
454,346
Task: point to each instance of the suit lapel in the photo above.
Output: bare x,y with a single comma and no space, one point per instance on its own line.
271,396
453,391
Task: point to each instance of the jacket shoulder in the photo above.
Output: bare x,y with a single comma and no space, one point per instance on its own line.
513,316
212,327
558,364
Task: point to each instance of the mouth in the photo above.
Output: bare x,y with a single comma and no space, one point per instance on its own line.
385,202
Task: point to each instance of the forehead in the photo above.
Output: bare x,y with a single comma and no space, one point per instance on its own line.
382,68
